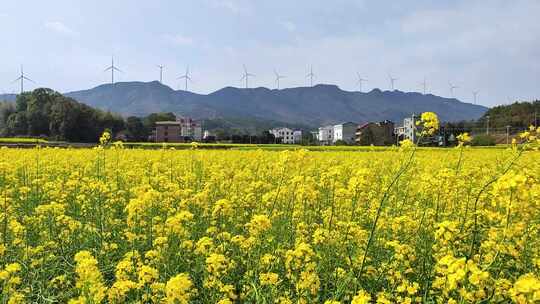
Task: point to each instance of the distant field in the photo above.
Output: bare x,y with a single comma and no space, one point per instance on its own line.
21,140
213,146
228,146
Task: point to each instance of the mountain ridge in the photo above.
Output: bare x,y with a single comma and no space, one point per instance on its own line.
314,106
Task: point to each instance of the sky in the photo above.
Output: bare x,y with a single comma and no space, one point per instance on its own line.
489,46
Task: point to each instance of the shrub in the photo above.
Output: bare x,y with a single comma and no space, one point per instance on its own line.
483,140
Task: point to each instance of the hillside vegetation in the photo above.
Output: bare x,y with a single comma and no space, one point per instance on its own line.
46,113
518,114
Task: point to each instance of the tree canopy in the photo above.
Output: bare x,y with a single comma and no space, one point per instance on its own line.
47,113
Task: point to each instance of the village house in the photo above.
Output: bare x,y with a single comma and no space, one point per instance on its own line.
183,129
408,130
286,135
377,134
345,132
326,135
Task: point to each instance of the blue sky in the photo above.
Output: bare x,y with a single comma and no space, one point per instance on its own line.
492,46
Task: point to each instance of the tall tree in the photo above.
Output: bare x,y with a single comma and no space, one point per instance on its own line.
135,129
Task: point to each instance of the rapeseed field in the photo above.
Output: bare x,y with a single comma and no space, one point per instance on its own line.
401,225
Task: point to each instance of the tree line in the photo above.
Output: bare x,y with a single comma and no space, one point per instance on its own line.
48,114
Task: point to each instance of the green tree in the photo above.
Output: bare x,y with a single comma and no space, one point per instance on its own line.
135,129
63,120
6,109
37,107
367,138
16,124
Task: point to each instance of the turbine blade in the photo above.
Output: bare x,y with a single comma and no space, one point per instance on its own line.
108,69
26,78
117,69
17,79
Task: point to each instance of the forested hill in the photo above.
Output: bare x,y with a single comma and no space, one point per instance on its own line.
518,115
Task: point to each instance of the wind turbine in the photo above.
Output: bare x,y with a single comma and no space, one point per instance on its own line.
452,88
278,77
360,80
392,81
424,85
475,95
112,68
160,73
246,76
186,77
310,75
22,78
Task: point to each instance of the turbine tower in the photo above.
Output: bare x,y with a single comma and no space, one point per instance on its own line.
160,67
186,77
112,68
452,88
360,80
246,76
22,78
278,77
424,85
475,96
392,81
310,76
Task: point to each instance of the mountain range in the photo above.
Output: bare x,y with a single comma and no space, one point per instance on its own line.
310,106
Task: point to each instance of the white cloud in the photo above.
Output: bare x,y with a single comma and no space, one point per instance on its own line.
288,25
60,28
179,40
230,5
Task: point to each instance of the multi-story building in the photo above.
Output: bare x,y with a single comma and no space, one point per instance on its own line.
190,128
408,130
326,135
181,130
168,131
345,132
377,134
297,136
286,135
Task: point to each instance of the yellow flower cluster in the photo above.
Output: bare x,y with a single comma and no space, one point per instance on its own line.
89,279
105,138
464,138
429,122
254,226
179,289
